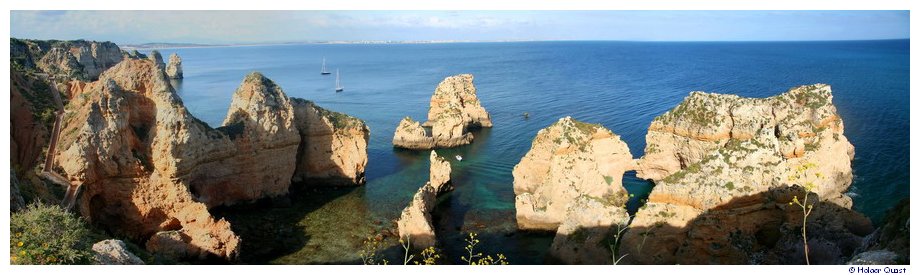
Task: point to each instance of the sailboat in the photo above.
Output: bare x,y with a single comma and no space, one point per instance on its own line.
324,72
338,85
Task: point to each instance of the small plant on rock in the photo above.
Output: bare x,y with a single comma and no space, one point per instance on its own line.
369,253
477,258
809,185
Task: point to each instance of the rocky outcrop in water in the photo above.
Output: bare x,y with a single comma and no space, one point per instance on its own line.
569,160
454,110
150,170
174,67
455,98
333,147
415,224
77,59
114,252
726,168
411,135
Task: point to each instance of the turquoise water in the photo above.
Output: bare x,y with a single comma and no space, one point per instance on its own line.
621,85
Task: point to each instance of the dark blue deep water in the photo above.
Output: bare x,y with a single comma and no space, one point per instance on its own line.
621,85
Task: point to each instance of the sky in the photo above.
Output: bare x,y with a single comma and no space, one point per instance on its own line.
230,27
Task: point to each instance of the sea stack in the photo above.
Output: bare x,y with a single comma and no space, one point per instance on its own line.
174,67
415,224
726,169
571,180
454,110
567,160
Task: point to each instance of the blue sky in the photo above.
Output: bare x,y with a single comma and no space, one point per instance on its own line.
217,27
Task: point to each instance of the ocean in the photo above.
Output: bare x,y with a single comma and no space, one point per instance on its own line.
621,85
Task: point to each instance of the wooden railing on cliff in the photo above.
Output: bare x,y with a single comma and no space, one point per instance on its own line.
48,173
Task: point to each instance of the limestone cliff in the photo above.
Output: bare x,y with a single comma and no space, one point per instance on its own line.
454,110
150,170
568,160
78,59
415,224
725,169
174,67
333,149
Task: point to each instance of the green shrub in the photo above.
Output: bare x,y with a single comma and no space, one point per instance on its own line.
46,234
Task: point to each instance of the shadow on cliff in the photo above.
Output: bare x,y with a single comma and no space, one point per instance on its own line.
270,227
760,228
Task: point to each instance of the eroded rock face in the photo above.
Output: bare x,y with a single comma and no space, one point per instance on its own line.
333,148
259,147
763,139
114,252
568,160
724,167
134,147
454,110
174,67
415,224
150,170
78,59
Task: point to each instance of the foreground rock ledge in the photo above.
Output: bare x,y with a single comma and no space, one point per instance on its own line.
454,110
150,170
415,224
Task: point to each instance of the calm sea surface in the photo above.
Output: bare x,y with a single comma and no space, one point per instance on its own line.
621,85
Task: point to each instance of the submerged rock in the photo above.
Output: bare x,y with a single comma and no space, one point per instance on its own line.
569,160
415,224
454,110
726,169
174,67
114,252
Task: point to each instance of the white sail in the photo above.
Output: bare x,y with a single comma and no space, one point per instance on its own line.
338,85
323,71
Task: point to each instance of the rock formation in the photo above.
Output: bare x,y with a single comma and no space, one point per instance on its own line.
890,242
454,110
78,59
150,170
411,135
587,231
174,67
724,168
16,200
568,160
114,252
455,97
415,224
333,147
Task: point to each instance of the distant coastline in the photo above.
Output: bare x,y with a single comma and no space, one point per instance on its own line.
152,46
